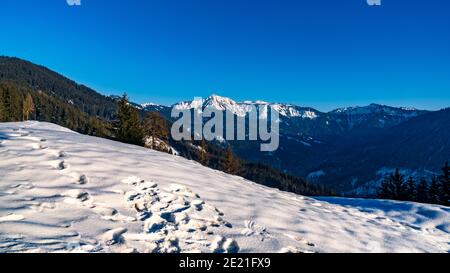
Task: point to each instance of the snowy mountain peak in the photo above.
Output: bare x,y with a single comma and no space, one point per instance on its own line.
377,108
220,103
242,108
147,104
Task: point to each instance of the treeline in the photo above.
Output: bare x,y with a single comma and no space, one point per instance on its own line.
436,191
20,103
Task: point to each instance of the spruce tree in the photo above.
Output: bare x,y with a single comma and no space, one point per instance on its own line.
384,192
422,191
397,185
410,190
434,191
10,103
230,163
444,183
155,127
129,127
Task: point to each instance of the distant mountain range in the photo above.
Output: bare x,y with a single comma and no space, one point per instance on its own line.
349,149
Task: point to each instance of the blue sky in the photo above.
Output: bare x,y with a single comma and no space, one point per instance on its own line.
319,53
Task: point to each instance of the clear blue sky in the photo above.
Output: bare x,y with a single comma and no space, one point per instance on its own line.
319,53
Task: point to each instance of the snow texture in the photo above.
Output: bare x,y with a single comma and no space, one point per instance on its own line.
61,191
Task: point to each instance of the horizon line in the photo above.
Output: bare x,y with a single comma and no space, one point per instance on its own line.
112,92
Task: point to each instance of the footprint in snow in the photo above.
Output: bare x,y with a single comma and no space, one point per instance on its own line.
62,165
114,236
77,194
83,180
175,220
223,245
253,229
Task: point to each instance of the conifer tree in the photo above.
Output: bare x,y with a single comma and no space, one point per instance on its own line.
384,192
10,102
155,127
393,187
434,191
410,190
230,163
203,153
444,181
397,185
2,105
422,191
129,127
28,107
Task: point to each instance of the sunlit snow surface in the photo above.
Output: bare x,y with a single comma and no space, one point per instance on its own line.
62,191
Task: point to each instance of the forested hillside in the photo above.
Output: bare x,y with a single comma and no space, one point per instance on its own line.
47,108
36,77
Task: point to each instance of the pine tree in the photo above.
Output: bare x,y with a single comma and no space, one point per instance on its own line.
10,102
422,191
155,127
444,181
28,107
384,192
230,164
203,153
434,191
410,190
397,185
129,127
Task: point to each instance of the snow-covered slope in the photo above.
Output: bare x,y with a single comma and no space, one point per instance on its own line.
62,191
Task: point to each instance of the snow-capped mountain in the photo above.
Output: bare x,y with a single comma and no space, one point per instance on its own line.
376,108
243,108
150,106
374,115
61,192
311,140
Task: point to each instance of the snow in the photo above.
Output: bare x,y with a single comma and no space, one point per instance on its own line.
406,112
148,104
241,109
61,191
415,215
